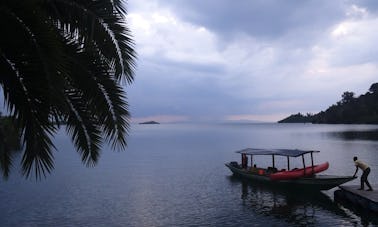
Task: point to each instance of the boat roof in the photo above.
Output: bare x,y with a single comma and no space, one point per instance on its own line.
282,152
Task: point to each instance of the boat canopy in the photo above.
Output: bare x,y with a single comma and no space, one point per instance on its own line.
282,152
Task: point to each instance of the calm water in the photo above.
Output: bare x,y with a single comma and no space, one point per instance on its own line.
174,175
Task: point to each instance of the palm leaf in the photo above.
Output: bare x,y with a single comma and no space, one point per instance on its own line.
66,63
83,129
99,22
5,153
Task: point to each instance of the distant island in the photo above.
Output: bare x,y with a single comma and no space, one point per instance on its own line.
149,123
350,110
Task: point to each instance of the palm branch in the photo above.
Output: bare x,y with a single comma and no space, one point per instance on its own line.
65,60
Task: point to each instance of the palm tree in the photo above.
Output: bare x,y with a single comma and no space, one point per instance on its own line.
65,60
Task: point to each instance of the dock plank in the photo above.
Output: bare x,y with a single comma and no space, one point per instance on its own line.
370,195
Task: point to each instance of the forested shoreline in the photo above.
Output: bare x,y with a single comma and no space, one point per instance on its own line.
349,110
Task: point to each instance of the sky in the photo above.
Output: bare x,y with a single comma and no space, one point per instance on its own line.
255,60
248,60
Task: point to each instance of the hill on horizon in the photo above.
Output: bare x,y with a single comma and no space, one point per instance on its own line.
349,110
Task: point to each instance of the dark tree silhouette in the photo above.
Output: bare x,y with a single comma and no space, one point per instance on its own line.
347,97
64,61
350,110
374,88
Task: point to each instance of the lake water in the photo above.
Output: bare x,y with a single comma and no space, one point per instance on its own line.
174,175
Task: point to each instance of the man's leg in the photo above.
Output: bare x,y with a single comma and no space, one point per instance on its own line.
366,180
363,179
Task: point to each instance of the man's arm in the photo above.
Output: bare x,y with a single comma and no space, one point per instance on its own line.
355,171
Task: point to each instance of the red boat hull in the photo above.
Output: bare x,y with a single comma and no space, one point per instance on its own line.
297,173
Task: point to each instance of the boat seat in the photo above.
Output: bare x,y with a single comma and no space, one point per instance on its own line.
272,170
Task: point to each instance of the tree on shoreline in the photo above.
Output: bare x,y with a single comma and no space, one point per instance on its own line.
350,110
65,60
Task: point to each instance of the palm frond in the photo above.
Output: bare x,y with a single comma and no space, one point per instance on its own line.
25,64
99,22
83,129
64,59
38,154
5,154
100,91
32,118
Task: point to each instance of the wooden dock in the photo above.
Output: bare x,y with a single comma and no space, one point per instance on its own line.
367,200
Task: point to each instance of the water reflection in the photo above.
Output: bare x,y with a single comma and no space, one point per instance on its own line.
356,135
295,208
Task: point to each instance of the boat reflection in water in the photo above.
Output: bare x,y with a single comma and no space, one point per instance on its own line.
301,208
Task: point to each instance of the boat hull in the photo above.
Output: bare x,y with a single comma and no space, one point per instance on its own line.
315,182
298,173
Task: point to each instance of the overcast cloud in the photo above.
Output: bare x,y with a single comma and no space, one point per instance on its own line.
249,59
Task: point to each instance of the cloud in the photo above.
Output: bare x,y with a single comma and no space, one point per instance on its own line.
221,59
248,60
161,35
266,19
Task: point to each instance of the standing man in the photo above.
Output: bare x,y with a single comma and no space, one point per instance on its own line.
366,170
